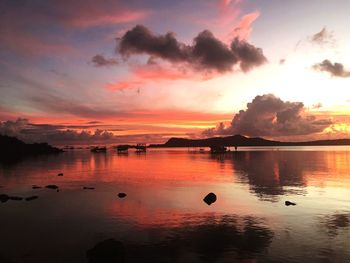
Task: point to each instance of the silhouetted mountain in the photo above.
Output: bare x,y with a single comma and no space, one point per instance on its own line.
12,149
239,140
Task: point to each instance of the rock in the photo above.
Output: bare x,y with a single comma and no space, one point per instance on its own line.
288,203
108,251
30,198
52,186
16,198
121,195
210,198
4,198
36,187
60,174
88,188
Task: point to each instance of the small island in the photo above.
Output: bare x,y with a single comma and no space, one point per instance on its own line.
12,149
239,140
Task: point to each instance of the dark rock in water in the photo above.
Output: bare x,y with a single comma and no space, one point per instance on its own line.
52,186
122,195
288,203
210,198
30,198
4,198
60,174
16,198
36,187
88,188
108,251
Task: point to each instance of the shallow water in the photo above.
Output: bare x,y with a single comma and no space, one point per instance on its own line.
163,217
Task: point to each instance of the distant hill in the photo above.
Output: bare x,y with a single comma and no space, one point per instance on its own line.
12,149
239,140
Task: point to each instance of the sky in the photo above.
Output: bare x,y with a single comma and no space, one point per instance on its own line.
85,72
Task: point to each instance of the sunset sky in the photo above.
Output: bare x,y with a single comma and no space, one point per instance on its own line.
84,71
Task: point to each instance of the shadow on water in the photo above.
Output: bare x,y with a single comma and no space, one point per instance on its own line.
214,239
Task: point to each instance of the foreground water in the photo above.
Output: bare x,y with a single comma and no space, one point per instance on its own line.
163,217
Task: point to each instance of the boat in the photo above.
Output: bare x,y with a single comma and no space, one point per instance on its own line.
122,148
218,149
98,149
141,147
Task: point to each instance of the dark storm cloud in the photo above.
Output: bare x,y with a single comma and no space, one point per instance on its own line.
100,61
141,40
268,115
335,69
247,54
206,53
210,53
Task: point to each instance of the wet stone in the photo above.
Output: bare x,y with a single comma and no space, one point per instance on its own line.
88,188
121,195
107,251
4,198
30,198
52,186
210,198
288,203
16,198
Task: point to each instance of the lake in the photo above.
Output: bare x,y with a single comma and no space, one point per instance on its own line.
163,217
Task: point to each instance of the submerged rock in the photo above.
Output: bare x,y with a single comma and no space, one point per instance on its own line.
210,198
30,198
121,195
288,203
107,251
4,198
60,174
16,198
52,186
36,187
88,188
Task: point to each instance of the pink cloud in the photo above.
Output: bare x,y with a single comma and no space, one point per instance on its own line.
18,21
114,17
244,27
124,85
230,21
167,72
142,75
31,45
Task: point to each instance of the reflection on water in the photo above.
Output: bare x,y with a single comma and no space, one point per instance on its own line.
211,239
335,223
163,217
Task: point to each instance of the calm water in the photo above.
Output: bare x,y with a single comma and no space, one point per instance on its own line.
163,217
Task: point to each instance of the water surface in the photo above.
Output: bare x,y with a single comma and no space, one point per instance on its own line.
163,217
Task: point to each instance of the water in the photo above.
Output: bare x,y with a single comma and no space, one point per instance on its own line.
163,217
